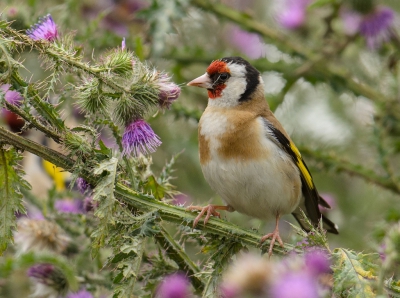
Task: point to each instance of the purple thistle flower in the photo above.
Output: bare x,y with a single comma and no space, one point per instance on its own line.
169,91
89,204
81,294
376,27
45,29
41,271
174,286
248,43
295,285
317,261
123,44
82,185
48,279
69,206
139,138
11,96
293,14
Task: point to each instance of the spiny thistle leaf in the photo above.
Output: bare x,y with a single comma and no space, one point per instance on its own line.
316,236
129,267
10,194
222,249
353,274
104,194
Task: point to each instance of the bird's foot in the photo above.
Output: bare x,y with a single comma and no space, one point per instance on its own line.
210,209
274,236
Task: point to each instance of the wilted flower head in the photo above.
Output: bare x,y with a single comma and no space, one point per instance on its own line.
49,281
11,96
169,91
247,42
39,235
376,26
293,13
80,294
69,206
139,138
249,274
295,285
82,185
174,286
45,29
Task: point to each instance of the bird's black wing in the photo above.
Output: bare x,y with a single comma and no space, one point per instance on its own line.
310,193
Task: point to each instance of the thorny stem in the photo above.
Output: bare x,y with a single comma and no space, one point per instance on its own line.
142,202
31,119
176,253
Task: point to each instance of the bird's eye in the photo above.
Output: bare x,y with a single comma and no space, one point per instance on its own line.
224,76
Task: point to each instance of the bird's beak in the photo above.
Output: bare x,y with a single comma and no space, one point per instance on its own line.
203,81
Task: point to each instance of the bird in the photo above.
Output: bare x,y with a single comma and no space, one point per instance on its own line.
246,155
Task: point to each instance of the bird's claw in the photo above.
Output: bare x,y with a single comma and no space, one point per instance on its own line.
274,236
210,209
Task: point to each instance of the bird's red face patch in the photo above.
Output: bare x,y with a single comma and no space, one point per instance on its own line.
213,71
216,92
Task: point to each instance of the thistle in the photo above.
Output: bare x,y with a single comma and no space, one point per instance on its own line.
293,14
169,91
376,26
45,29
174,286
49,281
11,96
80,294
139,138
69,206
39,235
82,185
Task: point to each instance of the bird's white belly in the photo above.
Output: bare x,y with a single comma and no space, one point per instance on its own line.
256,188
260,187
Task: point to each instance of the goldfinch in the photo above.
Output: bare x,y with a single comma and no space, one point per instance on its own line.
246,156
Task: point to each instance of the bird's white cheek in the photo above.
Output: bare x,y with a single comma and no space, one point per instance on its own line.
230,96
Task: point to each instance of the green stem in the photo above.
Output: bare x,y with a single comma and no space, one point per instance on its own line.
176,253
32,120
38,103
143,202
340,165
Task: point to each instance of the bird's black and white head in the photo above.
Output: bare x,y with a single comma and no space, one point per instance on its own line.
230,81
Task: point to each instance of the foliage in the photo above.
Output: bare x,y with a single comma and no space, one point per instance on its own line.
124,234
10,194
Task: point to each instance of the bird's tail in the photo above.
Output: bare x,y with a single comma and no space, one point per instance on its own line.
328,225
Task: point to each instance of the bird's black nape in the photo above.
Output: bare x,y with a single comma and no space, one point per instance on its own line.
252,76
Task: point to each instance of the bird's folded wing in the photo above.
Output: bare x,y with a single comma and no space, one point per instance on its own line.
310,193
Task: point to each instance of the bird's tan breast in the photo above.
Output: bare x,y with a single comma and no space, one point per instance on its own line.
230,134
